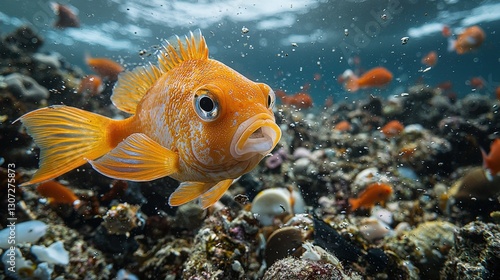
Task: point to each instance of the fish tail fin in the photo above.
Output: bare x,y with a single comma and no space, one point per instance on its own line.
487,170
485,156
67,137
350,80
87,57
354,202
352,84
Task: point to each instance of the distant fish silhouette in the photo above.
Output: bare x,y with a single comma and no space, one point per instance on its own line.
376,77
301,100
470,39
91,84
430,59
104,67
67,17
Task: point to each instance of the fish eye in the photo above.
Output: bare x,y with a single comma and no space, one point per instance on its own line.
271,98
206,106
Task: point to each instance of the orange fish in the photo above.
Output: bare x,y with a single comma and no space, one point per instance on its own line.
317,76
430,59
193,119
66,17
57,193
299,100
376,77
392,128
104,67
328,102
445,86
470,39
376,192
491,161
117,190
343,126
306,86
477,82
446,31
91,84
497,93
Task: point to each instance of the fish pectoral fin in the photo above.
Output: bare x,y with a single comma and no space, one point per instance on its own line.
188,191
352,84
215,193
137,158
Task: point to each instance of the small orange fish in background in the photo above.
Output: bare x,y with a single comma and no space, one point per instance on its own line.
375,77
91,85
374,193
430,59
392,128
491,161
192,118
445,86
117,190
301,100
470,39
56,193
328,102
477,82
343,126
497,93
66,17
104,67
306,87
446,31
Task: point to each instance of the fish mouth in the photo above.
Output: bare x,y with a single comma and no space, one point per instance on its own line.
256,136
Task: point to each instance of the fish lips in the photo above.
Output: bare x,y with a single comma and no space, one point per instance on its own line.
256,136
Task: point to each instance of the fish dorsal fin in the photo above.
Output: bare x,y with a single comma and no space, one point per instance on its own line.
177,50
132,86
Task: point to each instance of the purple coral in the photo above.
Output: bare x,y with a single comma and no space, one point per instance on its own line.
276,159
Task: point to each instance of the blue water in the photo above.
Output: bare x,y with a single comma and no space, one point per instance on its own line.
120,29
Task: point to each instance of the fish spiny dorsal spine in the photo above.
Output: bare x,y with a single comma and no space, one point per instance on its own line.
133,85
176,51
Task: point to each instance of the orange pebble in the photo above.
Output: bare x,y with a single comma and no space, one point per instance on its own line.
392,128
